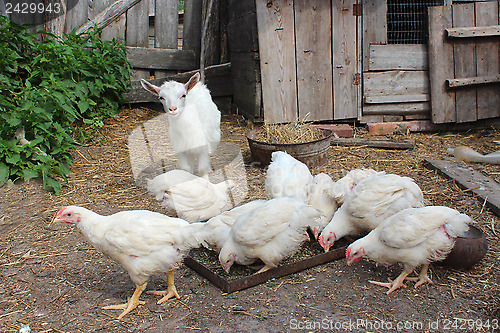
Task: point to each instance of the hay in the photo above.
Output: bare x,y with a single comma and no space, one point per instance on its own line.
295,132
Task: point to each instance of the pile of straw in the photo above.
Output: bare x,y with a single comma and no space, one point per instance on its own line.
295,132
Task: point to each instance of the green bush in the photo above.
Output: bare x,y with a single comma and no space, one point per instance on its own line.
47,83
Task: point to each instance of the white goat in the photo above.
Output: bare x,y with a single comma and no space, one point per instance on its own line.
194,122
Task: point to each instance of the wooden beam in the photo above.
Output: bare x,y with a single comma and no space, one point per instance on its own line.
108,15
469,179
493,30
473,81
141,57
375,143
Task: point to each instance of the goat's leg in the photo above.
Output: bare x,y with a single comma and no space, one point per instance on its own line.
184,162
204,163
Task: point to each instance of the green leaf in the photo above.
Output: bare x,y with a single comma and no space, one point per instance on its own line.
4,173
29,174
13,159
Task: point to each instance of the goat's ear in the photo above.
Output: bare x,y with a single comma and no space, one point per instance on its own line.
150,87
192,81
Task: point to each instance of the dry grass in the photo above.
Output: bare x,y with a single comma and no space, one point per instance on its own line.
53,280
294,132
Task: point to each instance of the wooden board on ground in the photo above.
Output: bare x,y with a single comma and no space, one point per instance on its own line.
469,179
375,143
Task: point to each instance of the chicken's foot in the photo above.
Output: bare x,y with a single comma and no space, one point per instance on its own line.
169,293
422,277
132,303
393,285
264,269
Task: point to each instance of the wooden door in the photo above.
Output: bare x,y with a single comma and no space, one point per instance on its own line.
464,62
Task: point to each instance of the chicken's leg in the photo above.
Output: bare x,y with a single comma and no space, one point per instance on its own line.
422,277
396,284
169,293
132,303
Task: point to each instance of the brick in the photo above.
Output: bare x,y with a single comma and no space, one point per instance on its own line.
400,127
342,130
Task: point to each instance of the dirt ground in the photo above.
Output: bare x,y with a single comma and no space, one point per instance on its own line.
54,281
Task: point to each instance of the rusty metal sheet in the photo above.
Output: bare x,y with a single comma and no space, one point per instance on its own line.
229,286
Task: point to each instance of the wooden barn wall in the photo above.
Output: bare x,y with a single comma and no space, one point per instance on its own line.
464,53
309,61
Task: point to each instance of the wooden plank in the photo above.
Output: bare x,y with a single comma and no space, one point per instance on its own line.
218,81
108,15
488,53
395,84
464,58
247,88
397,98
344,36
486,188
192,27
374,27
141,57
138,32
398,56
479,31
313,42
440,65
476,80
212,41
76,14
166,29
166,22
403,109
277,60
374,143
243,35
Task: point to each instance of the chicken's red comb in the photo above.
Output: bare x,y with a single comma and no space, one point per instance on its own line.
348,252
60,212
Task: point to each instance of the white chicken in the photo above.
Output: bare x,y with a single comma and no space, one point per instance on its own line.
271,232
412,237
193,198
287,177
322,198
373,200
216,229
345,185
143,242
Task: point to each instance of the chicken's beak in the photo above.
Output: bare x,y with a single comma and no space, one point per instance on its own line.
226,268
349,262
316,232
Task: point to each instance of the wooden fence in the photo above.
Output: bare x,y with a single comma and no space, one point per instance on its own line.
162,41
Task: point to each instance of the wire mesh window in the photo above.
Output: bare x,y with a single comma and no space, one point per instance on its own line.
407,21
